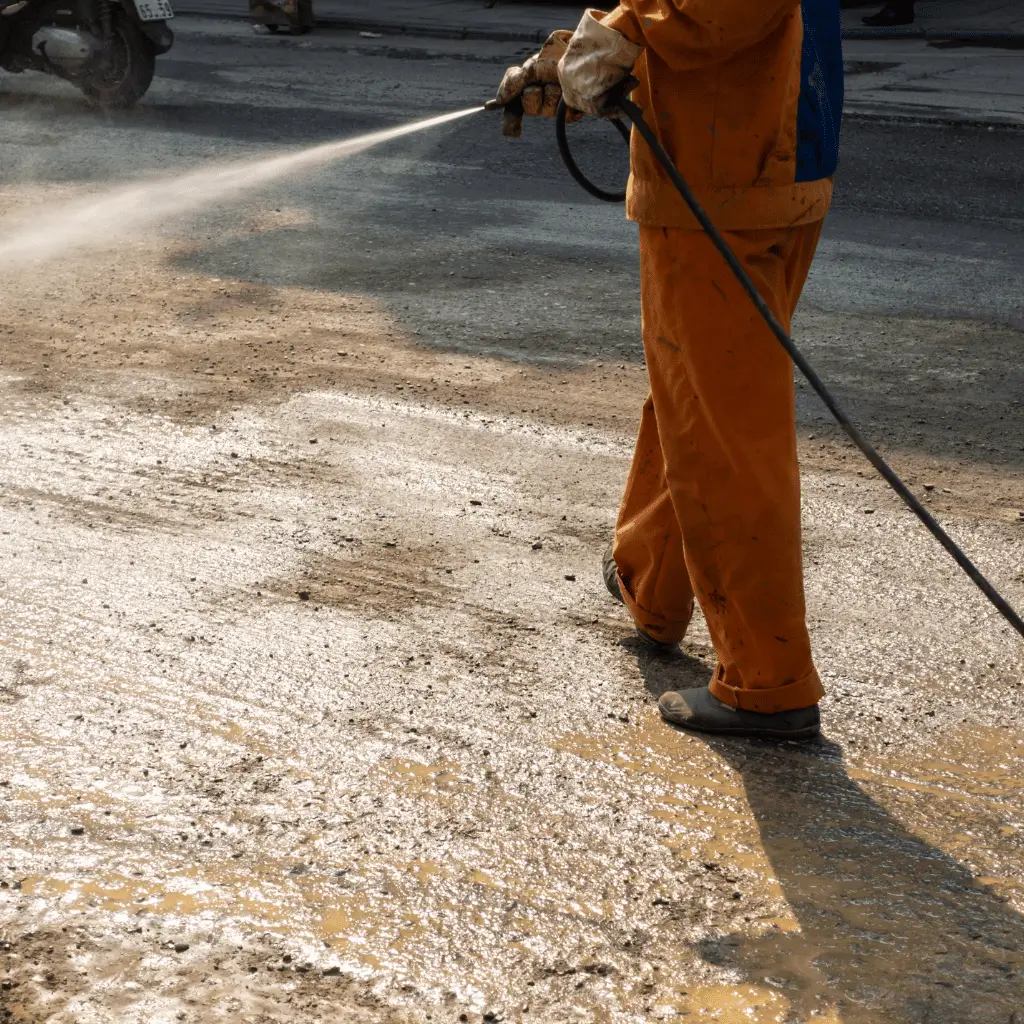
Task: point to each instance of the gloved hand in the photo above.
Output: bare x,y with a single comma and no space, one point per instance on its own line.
596,59
536,82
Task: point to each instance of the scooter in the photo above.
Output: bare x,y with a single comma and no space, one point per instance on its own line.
107,48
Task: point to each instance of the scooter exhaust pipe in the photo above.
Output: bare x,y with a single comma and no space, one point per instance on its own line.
66,48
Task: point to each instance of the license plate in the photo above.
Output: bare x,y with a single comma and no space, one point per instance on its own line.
154,10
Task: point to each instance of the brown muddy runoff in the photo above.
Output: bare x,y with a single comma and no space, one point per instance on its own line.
314,707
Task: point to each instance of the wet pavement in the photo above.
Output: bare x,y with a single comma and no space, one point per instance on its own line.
314,707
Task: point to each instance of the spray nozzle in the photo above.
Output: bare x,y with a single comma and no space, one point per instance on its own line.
511,115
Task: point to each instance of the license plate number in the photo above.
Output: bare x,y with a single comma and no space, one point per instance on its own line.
154,10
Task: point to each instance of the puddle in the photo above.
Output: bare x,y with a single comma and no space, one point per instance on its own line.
371,923
413,775
892,875
191,893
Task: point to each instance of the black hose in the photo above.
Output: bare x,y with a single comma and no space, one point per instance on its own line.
578,176
620,101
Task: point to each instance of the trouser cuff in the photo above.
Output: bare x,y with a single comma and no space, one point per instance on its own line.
664,630
801,693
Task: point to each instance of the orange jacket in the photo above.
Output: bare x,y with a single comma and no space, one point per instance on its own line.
746,96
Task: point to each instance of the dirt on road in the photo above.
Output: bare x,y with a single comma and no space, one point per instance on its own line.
315,709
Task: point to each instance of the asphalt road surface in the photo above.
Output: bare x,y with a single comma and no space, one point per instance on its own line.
314,706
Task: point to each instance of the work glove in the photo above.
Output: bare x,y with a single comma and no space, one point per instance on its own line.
596,59
536,83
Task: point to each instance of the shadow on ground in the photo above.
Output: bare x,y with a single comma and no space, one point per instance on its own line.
478,255
890,927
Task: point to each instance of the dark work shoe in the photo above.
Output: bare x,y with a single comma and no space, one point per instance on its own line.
611,580
697,709
611,575
891,16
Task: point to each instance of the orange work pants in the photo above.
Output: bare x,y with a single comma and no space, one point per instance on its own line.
712,503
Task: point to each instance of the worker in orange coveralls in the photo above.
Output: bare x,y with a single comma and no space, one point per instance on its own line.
746,96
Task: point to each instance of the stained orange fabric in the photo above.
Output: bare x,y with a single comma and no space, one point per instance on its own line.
720,85
712,503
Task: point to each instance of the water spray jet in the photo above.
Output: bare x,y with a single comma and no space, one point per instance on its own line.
119,213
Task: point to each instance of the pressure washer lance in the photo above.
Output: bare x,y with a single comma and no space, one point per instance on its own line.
617,102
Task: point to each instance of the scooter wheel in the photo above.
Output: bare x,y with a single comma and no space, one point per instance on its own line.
132,64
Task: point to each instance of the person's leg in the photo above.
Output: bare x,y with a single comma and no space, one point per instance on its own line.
723,402
648,548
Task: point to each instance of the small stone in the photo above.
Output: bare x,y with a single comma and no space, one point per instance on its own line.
473,501
313,440
929,487
536,546
868,511
77,830
180,947
303,595
570,577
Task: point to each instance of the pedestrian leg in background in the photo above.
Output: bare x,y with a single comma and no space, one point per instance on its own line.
295,16
712,506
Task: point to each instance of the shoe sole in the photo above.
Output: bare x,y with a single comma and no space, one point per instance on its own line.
809,733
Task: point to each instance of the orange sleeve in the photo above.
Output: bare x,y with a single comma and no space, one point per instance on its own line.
689,34
623,20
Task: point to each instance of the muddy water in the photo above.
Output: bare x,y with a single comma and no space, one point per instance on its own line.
821,897
300,723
